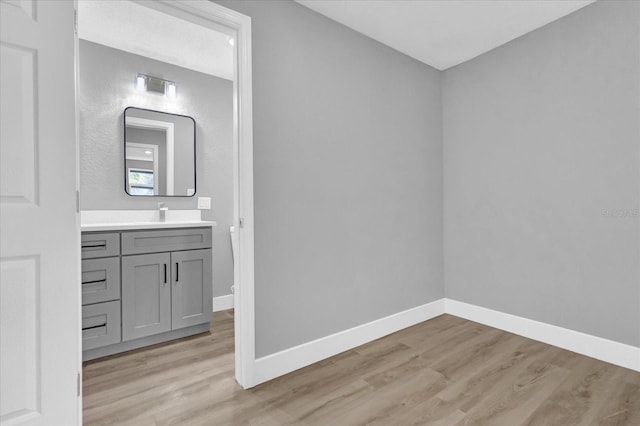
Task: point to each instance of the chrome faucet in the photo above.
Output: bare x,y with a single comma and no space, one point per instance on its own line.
163,211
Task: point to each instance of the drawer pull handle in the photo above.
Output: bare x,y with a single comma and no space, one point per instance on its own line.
165,273
177,272
93,282
93,247
94,326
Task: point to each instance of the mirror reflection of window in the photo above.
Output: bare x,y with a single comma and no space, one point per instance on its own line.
141,182
142,157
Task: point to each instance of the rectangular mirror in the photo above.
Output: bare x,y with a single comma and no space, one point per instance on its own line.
160,154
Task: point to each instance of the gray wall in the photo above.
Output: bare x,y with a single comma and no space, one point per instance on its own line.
541,187
106,89
348,177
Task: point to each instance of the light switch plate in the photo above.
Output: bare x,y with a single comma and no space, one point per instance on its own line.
204,203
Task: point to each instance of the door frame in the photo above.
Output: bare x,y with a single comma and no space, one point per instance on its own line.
238,26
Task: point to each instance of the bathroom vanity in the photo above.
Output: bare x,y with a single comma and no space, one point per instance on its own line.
143,282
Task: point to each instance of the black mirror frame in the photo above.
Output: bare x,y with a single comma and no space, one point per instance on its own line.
195,172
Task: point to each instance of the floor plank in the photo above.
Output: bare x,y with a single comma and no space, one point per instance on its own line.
447,371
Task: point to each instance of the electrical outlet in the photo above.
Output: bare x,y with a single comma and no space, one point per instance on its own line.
204,203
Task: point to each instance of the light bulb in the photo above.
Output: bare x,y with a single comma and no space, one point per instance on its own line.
141,83
170,89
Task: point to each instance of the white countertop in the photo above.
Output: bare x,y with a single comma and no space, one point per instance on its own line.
145,225
114,220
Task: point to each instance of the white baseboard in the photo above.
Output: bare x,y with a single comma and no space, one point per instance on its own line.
595,347
222,303
288,360
280,363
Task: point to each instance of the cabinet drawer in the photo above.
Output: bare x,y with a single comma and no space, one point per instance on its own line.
100,280
100,325
139,242
100,245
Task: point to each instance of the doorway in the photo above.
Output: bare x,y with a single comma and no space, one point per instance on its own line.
209,24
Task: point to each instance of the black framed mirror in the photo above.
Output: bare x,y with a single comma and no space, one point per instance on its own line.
159,153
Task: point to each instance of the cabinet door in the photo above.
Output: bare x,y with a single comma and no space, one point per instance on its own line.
192,288
146,295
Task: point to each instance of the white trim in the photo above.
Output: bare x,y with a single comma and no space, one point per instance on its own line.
220,18
288,360
222,303
595,347
78,252
168,127
275,365
245,357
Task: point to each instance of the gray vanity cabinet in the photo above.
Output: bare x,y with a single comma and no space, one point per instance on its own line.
191,288
142,287
146,295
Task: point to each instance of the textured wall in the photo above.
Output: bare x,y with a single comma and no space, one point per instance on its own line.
106,89
542,184
348,177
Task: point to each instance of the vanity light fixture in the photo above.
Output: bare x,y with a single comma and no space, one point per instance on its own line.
147,83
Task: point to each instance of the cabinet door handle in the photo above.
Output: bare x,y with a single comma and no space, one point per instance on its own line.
165,273
177,271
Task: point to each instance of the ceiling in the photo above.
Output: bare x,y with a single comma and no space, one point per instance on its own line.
444,33
144,31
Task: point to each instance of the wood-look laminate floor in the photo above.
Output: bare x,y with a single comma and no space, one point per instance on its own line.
446,371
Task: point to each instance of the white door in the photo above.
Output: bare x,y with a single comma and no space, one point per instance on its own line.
39,251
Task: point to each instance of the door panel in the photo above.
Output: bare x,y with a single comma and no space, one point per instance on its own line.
146,295
19,173
39,232
191,288
20,289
